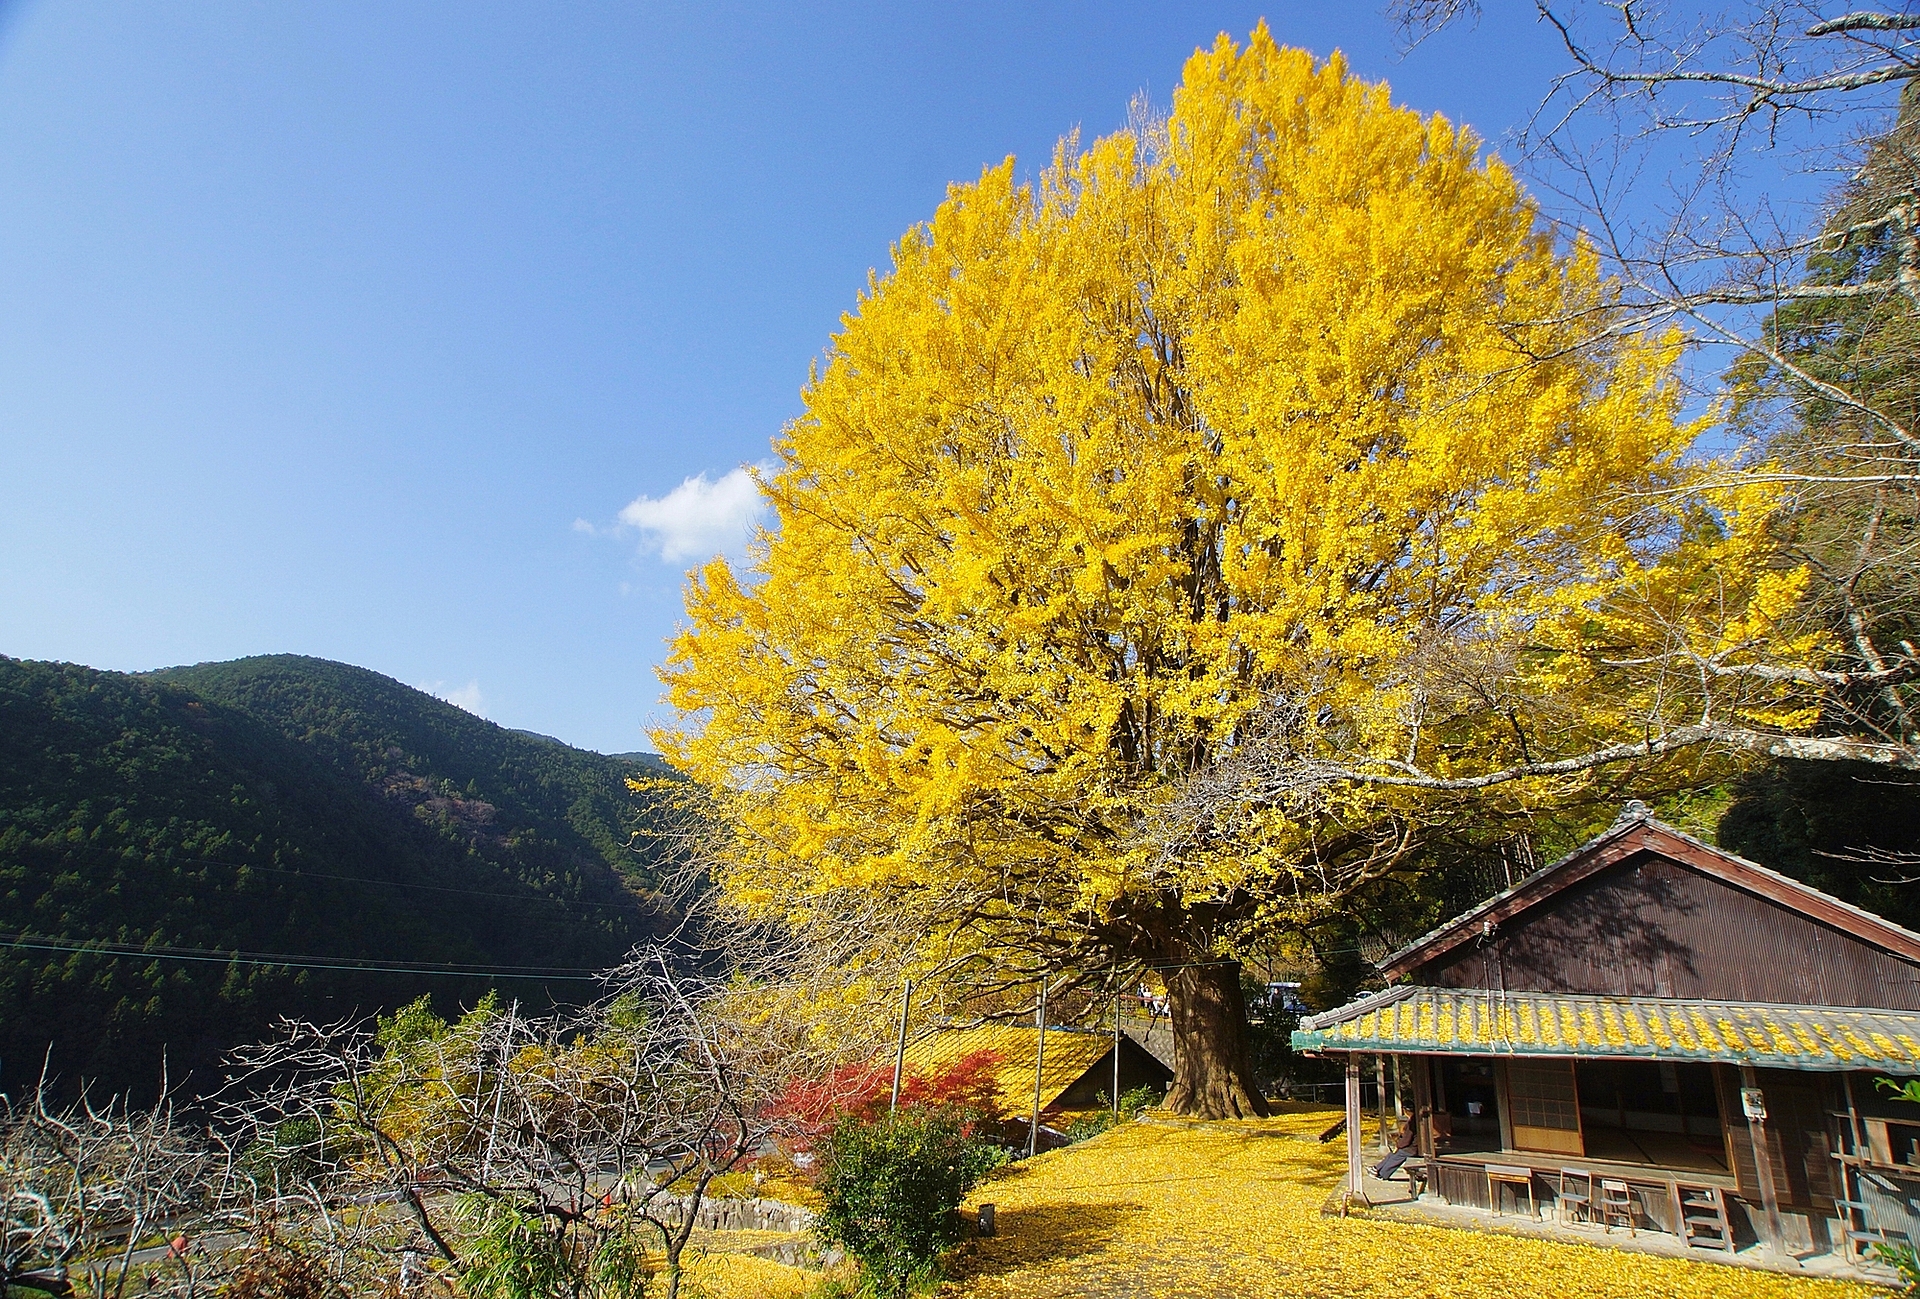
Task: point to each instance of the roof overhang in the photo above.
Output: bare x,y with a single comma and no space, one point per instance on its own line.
1472,1022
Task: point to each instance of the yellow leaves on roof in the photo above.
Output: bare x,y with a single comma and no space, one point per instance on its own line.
1069,1055
1424,1019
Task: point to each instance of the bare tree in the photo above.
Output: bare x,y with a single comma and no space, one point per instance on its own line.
88,1188
507,1145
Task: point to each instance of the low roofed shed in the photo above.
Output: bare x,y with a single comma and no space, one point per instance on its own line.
1077,1071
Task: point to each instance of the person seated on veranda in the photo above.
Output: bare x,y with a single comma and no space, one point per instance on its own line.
1406,1145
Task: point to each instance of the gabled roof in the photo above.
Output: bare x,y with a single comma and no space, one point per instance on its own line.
1637,832
1450,1021
1070,1053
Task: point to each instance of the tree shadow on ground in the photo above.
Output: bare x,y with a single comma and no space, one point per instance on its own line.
1084,1218
1038,1234
1247,1153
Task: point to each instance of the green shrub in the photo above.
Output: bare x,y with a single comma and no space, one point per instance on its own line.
1132,1105
892,1189
512,1255
1900,1091
1903,1260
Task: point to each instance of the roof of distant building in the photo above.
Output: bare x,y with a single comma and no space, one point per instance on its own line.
1071,1052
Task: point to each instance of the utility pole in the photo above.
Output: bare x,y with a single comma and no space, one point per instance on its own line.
900,1049
1039,1065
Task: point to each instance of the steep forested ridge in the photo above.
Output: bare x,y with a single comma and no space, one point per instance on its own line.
565,807
285,806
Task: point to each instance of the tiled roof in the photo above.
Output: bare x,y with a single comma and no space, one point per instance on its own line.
1446,1021
1070,1053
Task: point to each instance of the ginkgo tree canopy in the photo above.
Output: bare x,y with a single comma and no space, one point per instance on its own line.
1261,412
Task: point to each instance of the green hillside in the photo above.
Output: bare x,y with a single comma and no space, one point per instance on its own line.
281,807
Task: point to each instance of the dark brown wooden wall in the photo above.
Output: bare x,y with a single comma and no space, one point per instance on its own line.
1651,927
1137,1069
1798,1131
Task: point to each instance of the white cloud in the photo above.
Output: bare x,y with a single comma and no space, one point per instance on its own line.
699,519
467,696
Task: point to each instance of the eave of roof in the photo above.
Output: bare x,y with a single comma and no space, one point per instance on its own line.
1637,832
1449,1021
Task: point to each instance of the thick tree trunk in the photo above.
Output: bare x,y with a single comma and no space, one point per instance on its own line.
1212,1062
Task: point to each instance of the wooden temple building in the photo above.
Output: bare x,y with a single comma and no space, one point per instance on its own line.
1652,1035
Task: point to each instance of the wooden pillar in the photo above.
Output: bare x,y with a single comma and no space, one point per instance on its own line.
1380,1096
1503,1103
1856,1130
1422,1068
1754,1103
1356,1188
1116,1055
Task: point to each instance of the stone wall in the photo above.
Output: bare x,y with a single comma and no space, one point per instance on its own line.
717,1214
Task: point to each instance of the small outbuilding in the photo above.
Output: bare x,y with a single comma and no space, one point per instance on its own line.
1654,1035
1077,1068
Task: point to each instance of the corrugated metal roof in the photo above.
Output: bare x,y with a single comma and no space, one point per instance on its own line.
1070,1053
1636,829
1446,1021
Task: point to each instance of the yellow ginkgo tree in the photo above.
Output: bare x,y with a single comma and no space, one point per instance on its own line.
1272,427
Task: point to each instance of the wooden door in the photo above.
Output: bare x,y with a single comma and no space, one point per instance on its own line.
1545,1104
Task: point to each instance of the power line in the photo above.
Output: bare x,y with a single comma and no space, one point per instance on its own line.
169,858
43,943
354,965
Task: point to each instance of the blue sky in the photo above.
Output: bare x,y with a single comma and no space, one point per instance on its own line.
355,330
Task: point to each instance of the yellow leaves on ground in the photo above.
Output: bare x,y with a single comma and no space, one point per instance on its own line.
742,1276
1231,1210
745,1186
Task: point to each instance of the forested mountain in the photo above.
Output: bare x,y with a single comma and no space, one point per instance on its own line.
313,818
